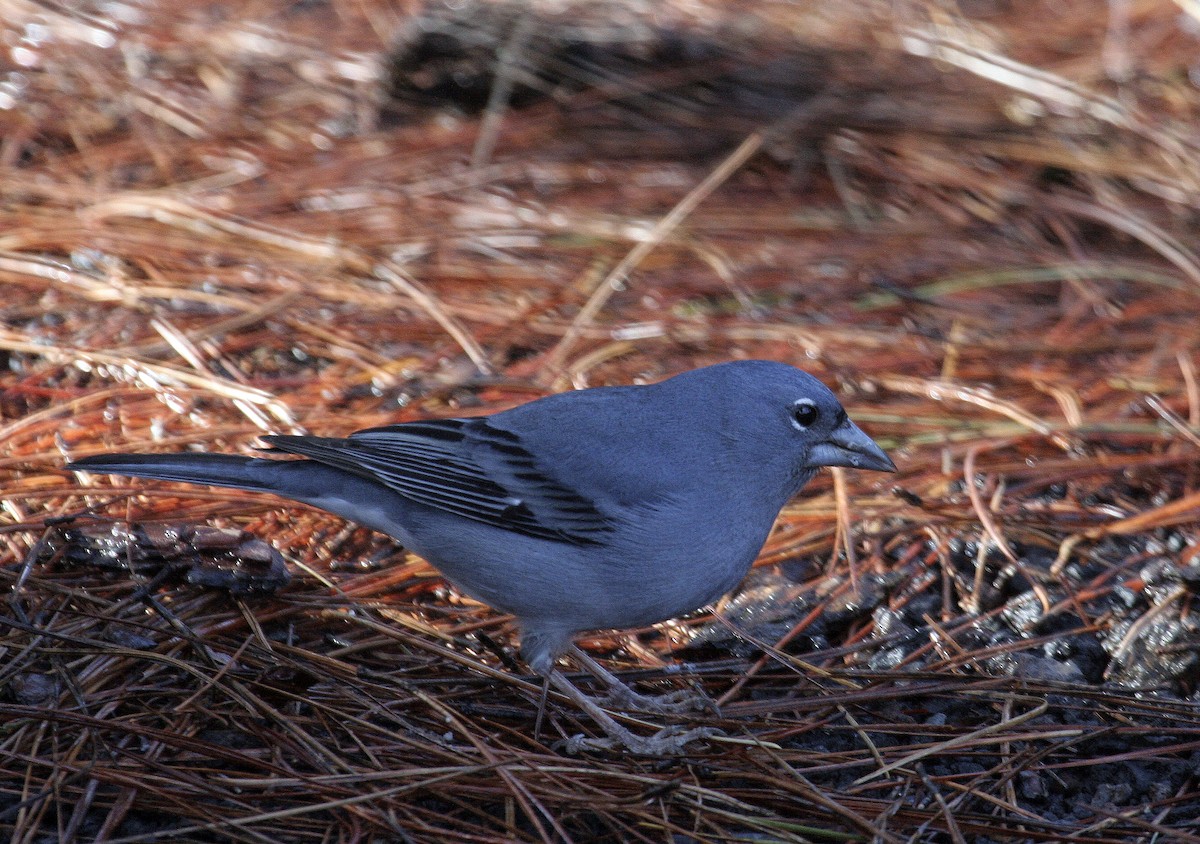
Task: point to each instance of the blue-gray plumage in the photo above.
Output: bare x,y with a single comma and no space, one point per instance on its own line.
604,508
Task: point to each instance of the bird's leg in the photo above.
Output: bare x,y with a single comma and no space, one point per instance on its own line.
621,696
669,741
541,713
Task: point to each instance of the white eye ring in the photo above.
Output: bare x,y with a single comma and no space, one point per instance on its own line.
805,414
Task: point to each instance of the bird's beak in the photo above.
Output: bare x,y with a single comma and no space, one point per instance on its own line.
848,446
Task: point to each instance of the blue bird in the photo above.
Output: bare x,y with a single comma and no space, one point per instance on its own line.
611,507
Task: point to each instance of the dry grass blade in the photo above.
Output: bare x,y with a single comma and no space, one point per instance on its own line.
616,277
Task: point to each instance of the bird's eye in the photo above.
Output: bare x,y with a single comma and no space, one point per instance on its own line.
804,414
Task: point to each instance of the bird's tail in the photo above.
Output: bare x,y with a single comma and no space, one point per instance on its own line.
343,493
226,470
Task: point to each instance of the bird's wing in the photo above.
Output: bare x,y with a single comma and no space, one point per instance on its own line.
462,466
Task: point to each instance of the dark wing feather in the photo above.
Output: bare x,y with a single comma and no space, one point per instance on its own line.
462,466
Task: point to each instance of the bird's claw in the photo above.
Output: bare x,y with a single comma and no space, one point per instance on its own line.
682,702
669,741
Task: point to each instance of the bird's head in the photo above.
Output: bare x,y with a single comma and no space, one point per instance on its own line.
772,414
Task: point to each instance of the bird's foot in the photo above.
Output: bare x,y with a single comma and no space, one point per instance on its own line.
669,741
681,702
621,696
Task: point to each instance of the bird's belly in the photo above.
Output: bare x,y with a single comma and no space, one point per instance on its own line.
658,586
644,578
